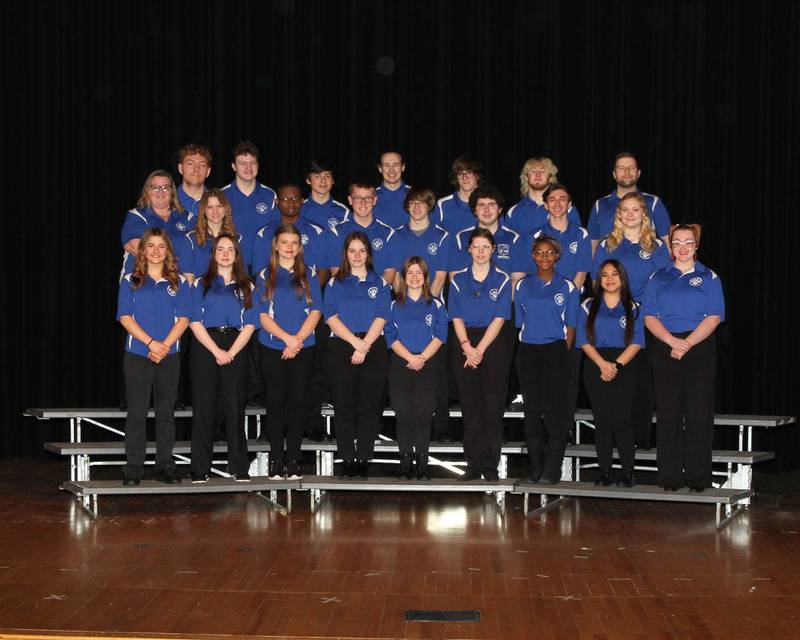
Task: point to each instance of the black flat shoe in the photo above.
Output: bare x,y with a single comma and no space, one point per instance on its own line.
603,479
348,469
545,479
670,488
167,477
362,469
697,489
627,480
131,482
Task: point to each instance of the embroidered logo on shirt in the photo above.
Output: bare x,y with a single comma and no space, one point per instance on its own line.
623,322
559,299
429,319
377,244
332,222
372,292
493,294
261,207
644,255
433,248
171,291
573,247
696,282
502,251
180,226
304,239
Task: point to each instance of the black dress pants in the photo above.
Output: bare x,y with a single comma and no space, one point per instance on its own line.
142,377
357,397
543,371
219,391
643,400
482,394
286,393
684,392
413,396
611,405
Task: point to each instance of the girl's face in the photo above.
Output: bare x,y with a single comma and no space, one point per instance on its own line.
480,250
683,245
631,214
356,254
545,256
155,251
225,253
288,245
415,277
215,212
609,279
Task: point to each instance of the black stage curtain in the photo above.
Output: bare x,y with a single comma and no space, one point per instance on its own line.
96,95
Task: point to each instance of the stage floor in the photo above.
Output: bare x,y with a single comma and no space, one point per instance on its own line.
230,565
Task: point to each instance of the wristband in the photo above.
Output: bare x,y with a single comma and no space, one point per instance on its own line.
618,364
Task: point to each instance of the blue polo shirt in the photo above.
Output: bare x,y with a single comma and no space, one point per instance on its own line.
453,214
287,307
609,326
357,302
311,235
380,237
576,250
682,300
544,310
250,213
478,303
528,215
221,305
509,254
137,221
416,323
326,215
639,264
191,205
601,219
195,255
389,208
156,307
432,245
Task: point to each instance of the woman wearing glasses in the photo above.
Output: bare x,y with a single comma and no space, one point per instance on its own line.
545,309
356,307
479,305
683,305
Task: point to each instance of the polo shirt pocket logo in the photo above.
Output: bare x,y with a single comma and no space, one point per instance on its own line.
573,247
261,207
433,248
644,255
623,322
493,294
372,292
429,319
377,244
559,299
502,250
696,282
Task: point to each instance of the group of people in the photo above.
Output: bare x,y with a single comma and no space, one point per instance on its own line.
405,289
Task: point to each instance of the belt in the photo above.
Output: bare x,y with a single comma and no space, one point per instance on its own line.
222,330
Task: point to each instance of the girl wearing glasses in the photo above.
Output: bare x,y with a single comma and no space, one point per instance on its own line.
683,306
545,306
610,333
479,305
356,308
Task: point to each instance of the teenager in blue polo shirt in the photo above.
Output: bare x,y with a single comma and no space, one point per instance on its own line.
362,198
253,204
453,212
545,306
320,208
486,203
194,166
683,306
223,319
153,307
290,200
610,332
214,217
420,237
157,207
530,213
415,332
634,244
289,297
626,174
479,305
356,306
392,191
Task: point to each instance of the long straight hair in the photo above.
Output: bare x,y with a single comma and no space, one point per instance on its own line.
625,298
400,297
170,269
202,231
344,268
239,273
299,271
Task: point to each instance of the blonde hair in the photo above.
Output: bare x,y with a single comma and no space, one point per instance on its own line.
202,231
144,198
546,163
647,234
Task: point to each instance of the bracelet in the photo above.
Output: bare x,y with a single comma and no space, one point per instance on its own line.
463,341
148,344
618,364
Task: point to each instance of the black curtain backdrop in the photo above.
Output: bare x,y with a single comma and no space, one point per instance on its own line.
96,95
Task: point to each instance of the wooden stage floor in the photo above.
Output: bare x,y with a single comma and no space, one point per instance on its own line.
230,566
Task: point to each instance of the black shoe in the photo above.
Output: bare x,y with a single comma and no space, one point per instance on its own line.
533,477
604,478
406,467
546,479
471,474
348,469
131,482
670,488
199,478
276,470
167,476
627,480
423,472
697,489
491,475
242,476
294,470
362,469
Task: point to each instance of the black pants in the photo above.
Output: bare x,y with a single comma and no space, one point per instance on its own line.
218,391
317,389
643,401
543,371
611,404
482,394
413,396
443,427
286,392
357,397
684,392
575,360
141,378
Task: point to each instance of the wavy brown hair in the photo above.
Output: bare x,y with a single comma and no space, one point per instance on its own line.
647,235
170,271
202,232
426,285
299,272
240,277
144,197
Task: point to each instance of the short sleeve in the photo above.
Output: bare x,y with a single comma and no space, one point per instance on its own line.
574,216
594,222
133,227
197,297
519,310
183,300
650,307
573,300
390,330
384,301
251,314
330,303
638,326
454,301
580,328
715,305
583,261
125,298
660,217
316,293
439,328
502,306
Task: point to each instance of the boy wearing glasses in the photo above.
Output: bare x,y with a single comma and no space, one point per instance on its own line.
453,212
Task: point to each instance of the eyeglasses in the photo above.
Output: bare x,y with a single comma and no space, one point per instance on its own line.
677,244
290,198
362,199
464,174
417,203
163,188
539,253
